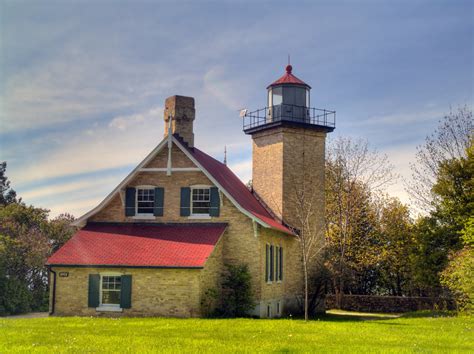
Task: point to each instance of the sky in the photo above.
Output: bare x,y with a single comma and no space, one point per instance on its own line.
83,83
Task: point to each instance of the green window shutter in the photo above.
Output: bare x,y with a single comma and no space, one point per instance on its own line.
126,292
185,201
94,289
159,200
130,201
215,202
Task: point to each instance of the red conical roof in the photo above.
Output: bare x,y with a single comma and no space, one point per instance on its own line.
289,78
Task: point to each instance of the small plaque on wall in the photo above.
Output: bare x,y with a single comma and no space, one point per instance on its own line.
63,274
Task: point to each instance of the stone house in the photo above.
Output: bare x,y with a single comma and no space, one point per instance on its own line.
160,240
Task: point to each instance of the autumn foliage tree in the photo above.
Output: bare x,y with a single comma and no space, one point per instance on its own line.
27,238
354,174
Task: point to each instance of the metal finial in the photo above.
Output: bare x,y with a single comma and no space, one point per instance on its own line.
288,59
225,155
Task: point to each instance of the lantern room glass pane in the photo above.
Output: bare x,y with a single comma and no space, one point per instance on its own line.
277,96
300,96
289,95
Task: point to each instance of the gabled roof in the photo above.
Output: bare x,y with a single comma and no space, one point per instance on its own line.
234,186
219,174
140,245
289,78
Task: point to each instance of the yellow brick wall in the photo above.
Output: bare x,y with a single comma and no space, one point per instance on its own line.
292,283
210,279
283,160
155,292
178,159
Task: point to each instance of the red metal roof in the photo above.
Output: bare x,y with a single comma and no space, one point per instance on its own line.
234,186
289,78
140,245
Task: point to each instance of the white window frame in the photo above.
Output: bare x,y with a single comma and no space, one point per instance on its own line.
143,215
108,307
199,216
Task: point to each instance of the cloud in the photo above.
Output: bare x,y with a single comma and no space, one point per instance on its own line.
125,122
123,141
218,84
399,119
66,189
80,85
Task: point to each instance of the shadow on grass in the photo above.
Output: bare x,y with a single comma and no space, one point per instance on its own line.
351,316
430,313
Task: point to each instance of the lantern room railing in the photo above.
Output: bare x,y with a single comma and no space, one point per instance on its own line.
297,115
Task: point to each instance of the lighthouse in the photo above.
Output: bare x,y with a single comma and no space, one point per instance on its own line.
288,148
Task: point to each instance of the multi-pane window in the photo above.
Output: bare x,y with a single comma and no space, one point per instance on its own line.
200,201
110,287
273,263
145,200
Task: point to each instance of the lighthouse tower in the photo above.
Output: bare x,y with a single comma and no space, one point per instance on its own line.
289,148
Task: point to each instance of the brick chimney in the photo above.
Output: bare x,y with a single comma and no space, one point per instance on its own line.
182,113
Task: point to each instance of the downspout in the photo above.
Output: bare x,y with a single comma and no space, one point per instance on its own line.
53,300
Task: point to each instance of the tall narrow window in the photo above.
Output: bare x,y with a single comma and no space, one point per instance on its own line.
280,264
267,263
277,263
272,260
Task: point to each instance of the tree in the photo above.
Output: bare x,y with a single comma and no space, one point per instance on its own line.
7,194
236,293
27,239
439,234
447,143
308,231
354,174
459,274
396,237
454,189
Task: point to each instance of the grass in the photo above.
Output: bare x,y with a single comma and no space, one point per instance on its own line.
334,332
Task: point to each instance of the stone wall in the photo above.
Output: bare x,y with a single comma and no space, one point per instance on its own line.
369,303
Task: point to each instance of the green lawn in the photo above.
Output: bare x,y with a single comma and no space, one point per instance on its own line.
336,332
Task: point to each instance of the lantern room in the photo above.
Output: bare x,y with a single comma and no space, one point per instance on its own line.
288,103
289,95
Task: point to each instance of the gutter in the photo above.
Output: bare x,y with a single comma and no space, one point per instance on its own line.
53,302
